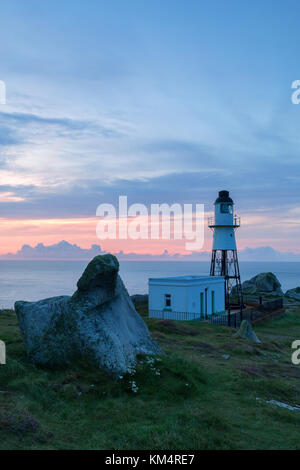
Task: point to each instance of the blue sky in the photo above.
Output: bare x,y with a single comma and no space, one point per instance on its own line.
163,101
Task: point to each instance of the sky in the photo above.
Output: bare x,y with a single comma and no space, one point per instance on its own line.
165,102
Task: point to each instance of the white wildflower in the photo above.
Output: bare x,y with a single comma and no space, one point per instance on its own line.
134,387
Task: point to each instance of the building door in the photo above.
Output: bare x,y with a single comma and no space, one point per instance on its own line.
201,304
206,302
212,301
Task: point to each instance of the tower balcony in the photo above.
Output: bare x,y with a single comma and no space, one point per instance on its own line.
235,224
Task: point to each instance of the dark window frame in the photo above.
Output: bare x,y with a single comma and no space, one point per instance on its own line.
168,300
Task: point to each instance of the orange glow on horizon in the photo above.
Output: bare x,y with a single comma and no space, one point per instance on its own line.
82,231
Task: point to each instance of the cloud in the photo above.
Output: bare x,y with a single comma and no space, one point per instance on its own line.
266,253
67,251
9,197
75,164
27,119
8,136
61,250
52,152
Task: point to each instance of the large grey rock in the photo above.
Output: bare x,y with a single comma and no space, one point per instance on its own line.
98,324
263,284
245,331
293,294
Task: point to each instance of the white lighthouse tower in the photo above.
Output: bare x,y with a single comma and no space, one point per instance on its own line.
224,261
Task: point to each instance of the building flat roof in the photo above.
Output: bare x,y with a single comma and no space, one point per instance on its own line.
187,279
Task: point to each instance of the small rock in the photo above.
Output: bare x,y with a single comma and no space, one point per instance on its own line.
246,332
226,356
284,405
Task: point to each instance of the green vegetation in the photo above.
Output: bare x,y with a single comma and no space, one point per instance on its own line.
195,397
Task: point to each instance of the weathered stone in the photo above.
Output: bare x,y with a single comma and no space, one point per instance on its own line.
102,271
246,332
293,294
98,324
263,284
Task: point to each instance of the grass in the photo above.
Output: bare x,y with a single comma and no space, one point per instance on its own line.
194,397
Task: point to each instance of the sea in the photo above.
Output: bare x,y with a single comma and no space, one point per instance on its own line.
34,280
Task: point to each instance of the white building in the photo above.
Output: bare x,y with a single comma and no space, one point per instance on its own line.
186,297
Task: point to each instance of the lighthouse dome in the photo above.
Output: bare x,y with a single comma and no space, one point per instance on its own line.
223,197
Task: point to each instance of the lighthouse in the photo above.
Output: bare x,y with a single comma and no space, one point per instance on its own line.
224,260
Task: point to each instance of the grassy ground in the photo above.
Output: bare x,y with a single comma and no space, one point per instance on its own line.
193,398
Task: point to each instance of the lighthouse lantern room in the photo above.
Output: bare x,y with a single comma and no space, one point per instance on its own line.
224,261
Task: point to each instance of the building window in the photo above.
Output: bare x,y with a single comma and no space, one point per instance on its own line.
226,208
213,301
167,300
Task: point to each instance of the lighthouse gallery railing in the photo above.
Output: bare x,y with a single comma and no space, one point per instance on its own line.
236,222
